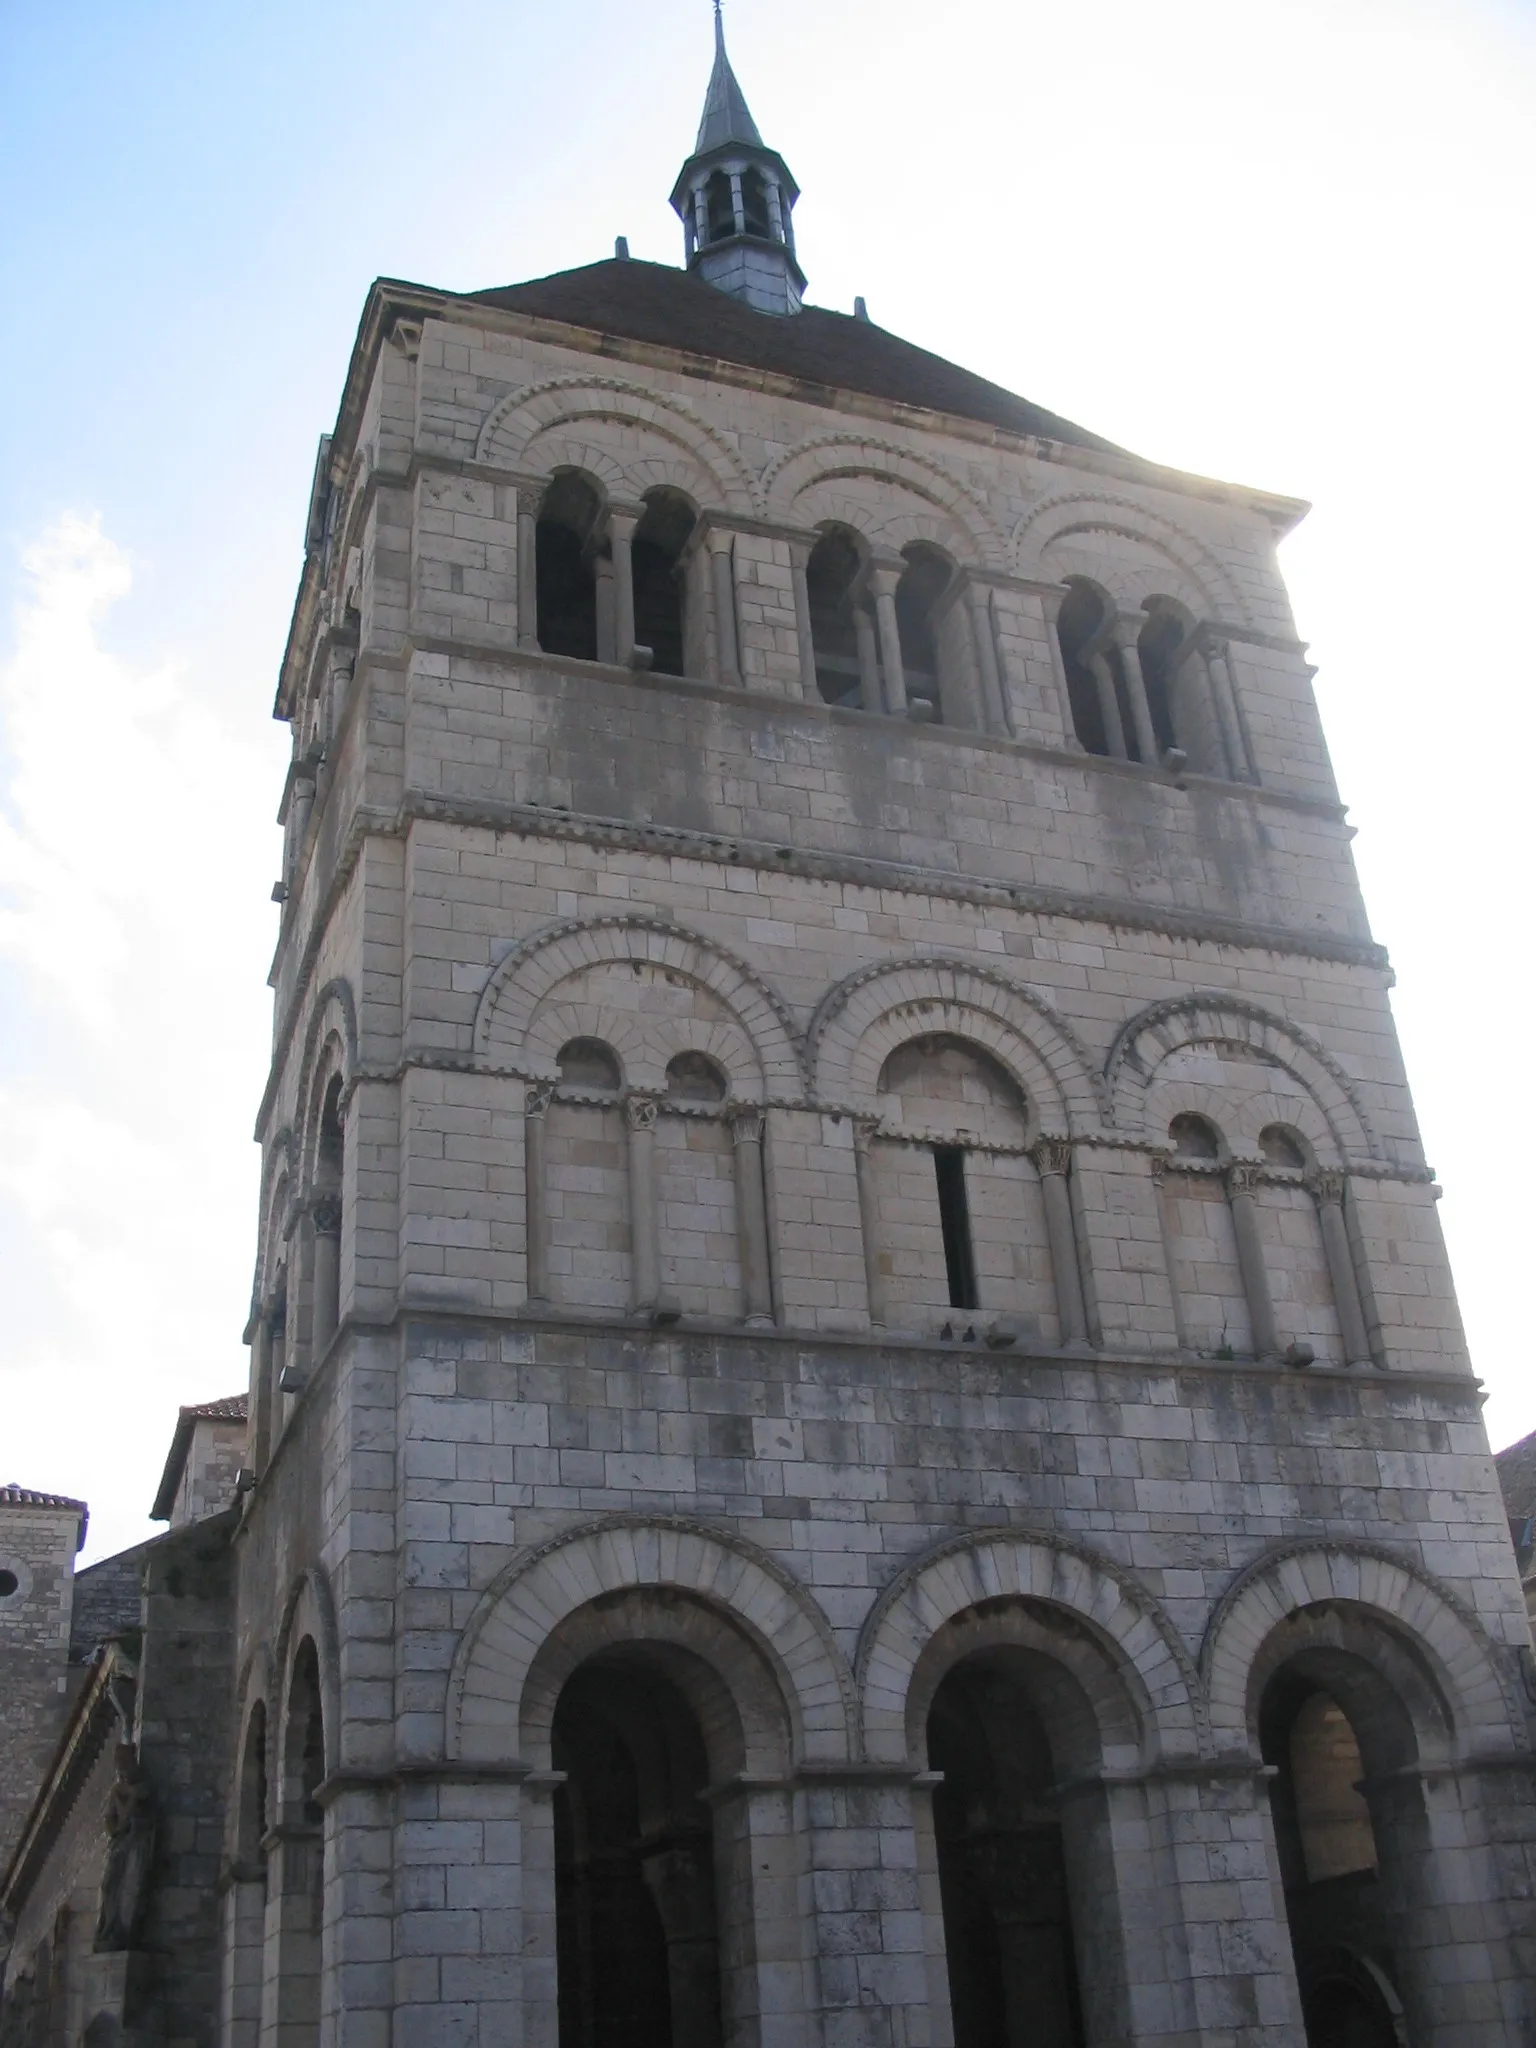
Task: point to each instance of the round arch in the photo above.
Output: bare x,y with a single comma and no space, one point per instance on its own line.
1392,1596
330,1040
1142,1044
969,1572
861,1020
309,1613
1200,579
536,967
824,460
666,441
537,1593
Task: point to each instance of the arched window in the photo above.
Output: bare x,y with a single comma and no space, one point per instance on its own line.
588,1063
566,579
694,1077
923,583
754,204
656,555
841,665
1282,1147
1101,714
302,1853
1158,642
586,1192
1194,1137
1206,1266
330,1177
637,1906
1340,1912
1004,1878
721,206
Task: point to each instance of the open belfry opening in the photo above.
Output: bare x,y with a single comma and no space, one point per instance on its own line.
857,1432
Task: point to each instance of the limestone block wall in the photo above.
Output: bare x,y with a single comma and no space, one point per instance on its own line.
38,1542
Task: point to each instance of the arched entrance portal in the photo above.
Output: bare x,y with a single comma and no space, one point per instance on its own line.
1002,1860
636,1923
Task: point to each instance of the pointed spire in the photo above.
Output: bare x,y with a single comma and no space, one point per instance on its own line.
727,118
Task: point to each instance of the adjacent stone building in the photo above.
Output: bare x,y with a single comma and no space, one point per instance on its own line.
858,1433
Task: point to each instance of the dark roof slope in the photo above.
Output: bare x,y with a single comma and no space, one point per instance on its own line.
1517,1477
651,302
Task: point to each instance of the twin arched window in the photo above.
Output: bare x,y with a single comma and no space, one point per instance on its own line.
578,568
907,663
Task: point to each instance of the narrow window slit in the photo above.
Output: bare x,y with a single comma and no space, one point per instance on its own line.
955,1222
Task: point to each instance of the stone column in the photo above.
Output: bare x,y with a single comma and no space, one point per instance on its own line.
326,1293
1220,670
869,1223
799,562
775,210
869,660
245,1908
1136,689
1242,1180
605,597
300,809
1051,602
1170,1259
621,533
278,1340
680,1881
723,587
645,1252
1328,1193
1195,723
993,696
883,579
261,1389
1109,705
536,1100
527,569
752,1217
1053,1162
737,207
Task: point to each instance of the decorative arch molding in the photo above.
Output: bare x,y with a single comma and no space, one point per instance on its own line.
253,1688
826,458
901,518
536,966
863,1019
1392,1590
277,1176
310,1610
645,1045
966,1571
1067,512
1215,1018
543,1587
516,421
332,1020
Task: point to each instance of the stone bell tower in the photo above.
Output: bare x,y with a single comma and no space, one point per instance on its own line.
861,1437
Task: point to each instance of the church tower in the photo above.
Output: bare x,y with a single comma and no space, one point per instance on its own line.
860,1437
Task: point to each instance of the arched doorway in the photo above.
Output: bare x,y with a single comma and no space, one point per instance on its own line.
1349,1829
636,1911
1002,1858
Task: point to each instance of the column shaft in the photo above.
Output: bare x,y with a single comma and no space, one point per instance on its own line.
621,532
261,1389
645,1253
752,1216
869,1225
536,1190
994,698
527,572
1220,673
882,583
1250,1259
607,609
1053,1159
869,660
1170,1260
1329,1193
326,1293
1136,690
1109,705
723,585
799,558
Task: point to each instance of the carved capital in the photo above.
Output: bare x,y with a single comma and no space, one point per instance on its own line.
1052,1155
326,1212
537,1096
640,1112
747,1126
1328,1188
1242,1178
1159,1169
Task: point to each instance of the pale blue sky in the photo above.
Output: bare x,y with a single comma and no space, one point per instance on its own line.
1288,244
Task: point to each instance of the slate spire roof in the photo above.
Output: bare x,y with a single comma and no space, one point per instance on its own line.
727,117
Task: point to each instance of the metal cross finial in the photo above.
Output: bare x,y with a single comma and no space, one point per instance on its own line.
719,25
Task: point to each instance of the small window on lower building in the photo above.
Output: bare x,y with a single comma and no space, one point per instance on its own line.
955,1222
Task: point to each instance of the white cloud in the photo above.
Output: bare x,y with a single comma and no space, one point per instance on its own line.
134,842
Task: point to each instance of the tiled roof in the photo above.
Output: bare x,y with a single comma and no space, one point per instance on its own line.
24,1497
231,1408
651,302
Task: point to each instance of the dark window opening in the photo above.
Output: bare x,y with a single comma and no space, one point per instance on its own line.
1160,640
1003,1882
655,556
1194,1138
955,1222
830,577
1079,626
588,1063
565,580
694,1077
636,1920
923,582
721,206
8,1584
754,204
1281,1146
